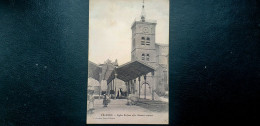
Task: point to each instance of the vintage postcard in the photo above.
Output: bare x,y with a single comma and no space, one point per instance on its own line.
128,62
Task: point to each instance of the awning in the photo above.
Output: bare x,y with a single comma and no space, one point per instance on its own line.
94,70
130,71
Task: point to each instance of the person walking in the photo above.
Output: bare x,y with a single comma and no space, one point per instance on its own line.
105,100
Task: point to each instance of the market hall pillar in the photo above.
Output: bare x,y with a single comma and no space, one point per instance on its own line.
139,87
134,86
144,86
153,85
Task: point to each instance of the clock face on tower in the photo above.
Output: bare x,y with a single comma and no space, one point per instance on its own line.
145,30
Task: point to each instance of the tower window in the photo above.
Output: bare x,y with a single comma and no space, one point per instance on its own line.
143,57
145,41
147,57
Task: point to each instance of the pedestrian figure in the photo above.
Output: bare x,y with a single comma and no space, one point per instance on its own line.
117,97
105,100
91,100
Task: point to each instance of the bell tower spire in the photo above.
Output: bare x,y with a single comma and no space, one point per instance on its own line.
143,40
143,13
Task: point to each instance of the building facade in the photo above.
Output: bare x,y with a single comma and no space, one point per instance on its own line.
143,42
145,49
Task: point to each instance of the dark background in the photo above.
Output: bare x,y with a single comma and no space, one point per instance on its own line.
224,37
214,62
52,34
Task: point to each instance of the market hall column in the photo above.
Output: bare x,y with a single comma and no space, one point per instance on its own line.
139,86
144,86
153,85
115,85
100,79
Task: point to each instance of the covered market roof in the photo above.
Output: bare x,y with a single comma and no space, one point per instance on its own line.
94,70
130,71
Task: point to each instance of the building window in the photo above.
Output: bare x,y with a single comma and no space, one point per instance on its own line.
145,41
143,57
147,57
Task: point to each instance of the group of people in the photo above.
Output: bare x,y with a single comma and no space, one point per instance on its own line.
91,100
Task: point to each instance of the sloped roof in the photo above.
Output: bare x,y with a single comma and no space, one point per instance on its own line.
162,44
94,70
130,71
163,67
107,69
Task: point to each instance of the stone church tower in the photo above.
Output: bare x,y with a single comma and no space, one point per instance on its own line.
143,40
145,49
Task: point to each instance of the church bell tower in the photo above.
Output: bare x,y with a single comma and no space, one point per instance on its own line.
143,40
